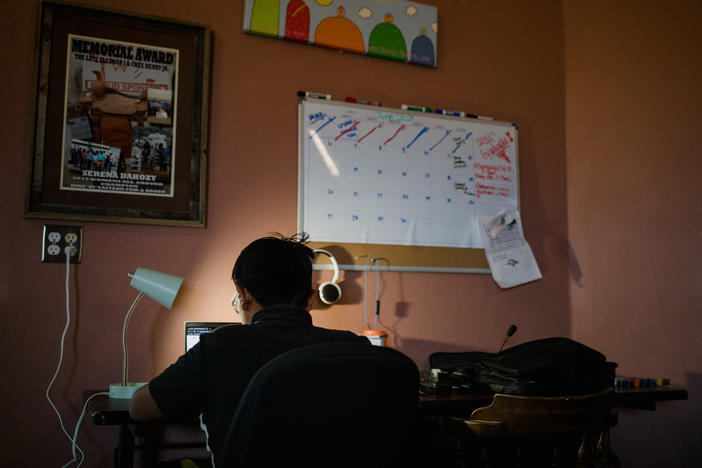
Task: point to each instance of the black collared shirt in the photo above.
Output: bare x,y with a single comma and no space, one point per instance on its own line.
210,378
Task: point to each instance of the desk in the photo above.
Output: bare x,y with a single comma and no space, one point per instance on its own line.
134,435
105,411
462,404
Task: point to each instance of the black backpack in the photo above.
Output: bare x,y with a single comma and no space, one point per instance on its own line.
547,367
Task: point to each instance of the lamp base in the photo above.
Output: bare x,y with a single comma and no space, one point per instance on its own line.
124,392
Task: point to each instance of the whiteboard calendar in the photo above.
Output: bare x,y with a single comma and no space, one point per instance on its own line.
377,175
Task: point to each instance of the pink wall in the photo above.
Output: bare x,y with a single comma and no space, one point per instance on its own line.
633,99
503,60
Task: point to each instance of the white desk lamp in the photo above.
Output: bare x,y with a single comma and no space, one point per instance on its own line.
160,287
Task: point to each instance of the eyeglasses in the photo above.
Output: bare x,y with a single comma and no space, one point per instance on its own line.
236,302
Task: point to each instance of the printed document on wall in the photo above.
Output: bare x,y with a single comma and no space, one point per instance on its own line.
510,258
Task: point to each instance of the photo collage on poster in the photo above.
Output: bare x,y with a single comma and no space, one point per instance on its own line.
120,114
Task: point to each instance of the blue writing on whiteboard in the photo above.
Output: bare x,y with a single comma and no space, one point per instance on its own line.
422,132
317,116
348,130
354,217
440,140
323,125
460,142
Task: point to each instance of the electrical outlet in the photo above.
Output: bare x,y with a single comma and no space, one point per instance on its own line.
59,241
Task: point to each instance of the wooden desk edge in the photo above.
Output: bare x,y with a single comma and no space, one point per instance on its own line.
109,411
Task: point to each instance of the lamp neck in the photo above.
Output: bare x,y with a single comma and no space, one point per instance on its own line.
124,337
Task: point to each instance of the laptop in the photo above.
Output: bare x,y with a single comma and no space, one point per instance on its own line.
193,330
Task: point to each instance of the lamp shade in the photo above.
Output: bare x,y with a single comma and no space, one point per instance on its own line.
161,287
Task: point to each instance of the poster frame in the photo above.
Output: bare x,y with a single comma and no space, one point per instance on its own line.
186,205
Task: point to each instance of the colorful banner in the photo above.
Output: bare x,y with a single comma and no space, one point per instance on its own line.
391,29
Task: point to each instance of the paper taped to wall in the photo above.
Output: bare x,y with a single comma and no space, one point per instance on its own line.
510,258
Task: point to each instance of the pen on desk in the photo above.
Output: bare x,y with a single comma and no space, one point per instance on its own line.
448,112
415,108
314,95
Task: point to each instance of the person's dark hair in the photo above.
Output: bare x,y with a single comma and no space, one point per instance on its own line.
276,270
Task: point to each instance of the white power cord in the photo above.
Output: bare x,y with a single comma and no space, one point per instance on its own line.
80,456
74,443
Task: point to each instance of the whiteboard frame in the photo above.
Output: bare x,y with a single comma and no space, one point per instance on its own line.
405,268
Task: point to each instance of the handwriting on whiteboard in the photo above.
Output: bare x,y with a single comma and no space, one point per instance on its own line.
492,146
380,176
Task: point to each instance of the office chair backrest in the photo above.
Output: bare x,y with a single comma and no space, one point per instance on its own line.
336,404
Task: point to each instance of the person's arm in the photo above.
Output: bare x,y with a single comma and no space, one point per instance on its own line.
174,392
143,407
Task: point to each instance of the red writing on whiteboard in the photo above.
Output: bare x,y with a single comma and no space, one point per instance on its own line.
491,172
491,190
492,146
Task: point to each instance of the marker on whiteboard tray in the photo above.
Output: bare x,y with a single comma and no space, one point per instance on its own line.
448,112
361,101
415,108
481,117
314,95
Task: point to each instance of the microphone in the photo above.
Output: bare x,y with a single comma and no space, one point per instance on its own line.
510,331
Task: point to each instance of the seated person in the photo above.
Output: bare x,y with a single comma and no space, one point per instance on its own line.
273,281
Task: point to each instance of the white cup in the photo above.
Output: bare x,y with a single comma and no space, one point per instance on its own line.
376,337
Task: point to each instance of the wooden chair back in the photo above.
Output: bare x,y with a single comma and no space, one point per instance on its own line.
528,431
529,416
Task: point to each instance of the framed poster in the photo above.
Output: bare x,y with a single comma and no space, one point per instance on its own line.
120,118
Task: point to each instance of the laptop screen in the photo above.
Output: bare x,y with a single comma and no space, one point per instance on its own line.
193,330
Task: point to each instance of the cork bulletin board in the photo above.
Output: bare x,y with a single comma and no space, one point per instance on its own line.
402,186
